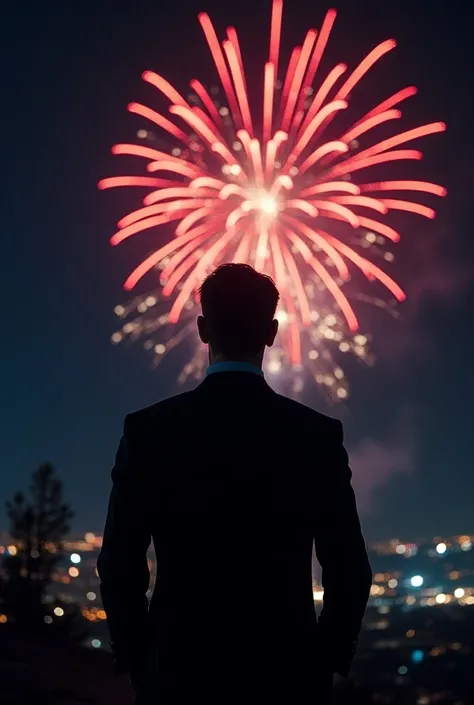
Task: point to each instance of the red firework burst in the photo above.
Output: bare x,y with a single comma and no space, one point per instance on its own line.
267,189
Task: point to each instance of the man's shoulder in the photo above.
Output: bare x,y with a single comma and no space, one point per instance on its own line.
164,407
178,406
306,414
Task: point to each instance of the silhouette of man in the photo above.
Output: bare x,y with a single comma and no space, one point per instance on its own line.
234,484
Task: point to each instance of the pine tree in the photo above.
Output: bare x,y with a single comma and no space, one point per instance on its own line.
38,526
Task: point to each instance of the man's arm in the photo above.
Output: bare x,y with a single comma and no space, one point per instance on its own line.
341,552
122,565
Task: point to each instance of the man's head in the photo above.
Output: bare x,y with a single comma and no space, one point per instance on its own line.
238,309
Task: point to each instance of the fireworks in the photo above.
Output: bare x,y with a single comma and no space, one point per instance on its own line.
269,188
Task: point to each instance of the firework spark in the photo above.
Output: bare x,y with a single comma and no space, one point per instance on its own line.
270,189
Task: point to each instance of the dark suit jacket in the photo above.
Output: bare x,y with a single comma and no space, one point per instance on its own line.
233,483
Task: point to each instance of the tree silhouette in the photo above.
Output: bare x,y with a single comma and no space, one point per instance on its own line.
38,526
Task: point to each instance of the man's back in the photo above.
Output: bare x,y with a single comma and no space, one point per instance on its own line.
233,483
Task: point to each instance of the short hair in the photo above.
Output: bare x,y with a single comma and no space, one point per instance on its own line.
238,305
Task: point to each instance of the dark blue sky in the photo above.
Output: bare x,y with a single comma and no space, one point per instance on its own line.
69,71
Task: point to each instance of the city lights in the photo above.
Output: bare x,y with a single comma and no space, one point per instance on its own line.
437,586
417,656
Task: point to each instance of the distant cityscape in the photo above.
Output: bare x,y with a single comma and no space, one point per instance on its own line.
434,573
418,629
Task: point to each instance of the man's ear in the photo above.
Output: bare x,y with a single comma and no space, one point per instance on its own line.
202,329
272,333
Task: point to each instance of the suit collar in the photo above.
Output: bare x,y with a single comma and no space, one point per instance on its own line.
233,379
233,366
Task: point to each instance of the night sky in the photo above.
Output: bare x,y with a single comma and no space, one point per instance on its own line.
69,70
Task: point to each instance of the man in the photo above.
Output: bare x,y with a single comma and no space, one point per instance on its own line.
234,483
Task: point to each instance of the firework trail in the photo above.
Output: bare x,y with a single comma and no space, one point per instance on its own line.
269,188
